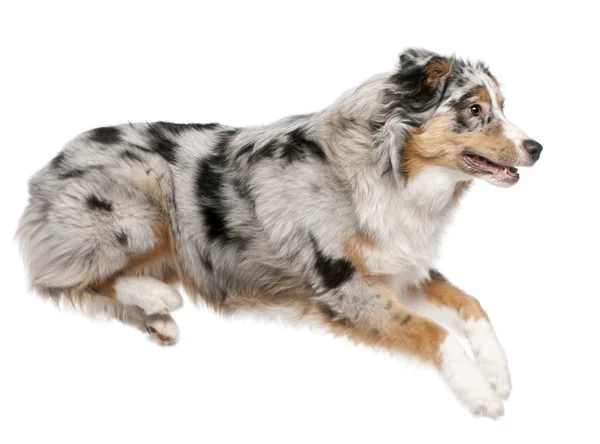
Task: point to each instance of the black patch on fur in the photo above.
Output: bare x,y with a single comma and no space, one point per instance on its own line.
121,238
246,149
434,274
464,101
410,122
333,272
462,122
209,184
95,202
178,128
160,141
298,147
71,174
224,140
128,154
58,161
266,151
413,92
107,135
483,67
461,125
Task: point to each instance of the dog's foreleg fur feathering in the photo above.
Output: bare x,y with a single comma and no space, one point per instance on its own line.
337,215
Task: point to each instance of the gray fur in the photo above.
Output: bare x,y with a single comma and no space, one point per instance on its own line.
250,208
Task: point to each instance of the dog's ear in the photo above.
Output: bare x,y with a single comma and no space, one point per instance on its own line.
420,78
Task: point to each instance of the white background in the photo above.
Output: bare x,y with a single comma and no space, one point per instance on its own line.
530,253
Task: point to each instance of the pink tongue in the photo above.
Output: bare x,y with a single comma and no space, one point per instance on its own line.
499,172
504,173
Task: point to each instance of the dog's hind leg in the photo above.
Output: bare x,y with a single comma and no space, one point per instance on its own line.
146,303
368,312
161,327
144,292
441,300
101,239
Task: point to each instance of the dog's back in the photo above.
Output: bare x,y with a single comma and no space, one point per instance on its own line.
223,209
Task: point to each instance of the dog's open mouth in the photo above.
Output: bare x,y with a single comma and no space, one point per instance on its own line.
501,173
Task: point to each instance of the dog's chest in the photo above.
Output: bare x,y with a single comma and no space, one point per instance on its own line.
409,250
410,231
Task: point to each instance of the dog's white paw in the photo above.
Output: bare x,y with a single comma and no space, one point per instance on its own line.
497,374
162,329
151,295
489,355
467,382
492,407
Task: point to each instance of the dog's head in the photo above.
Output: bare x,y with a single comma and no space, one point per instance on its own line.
452,112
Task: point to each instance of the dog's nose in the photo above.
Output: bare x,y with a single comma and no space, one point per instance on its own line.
533,148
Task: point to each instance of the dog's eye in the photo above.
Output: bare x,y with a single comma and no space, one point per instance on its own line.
475,110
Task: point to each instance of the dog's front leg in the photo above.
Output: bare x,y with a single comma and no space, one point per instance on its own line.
366,311
439,298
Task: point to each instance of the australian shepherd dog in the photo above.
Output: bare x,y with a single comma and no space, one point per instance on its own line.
336,215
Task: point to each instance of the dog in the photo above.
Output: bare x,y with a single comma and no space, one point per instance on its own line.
335,215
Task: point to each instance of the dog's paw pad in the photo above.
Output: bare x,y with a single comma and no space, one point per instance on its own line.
162,329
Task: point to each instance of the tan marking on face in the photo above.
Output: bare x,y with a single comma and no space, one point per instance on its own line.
437,144
482,95
436,70
443,294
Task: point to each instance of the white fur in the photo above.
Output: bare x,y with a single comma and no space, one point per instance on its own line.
467,382
149,294
409,224
417,302
253,207
489,355
511,132
164,325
